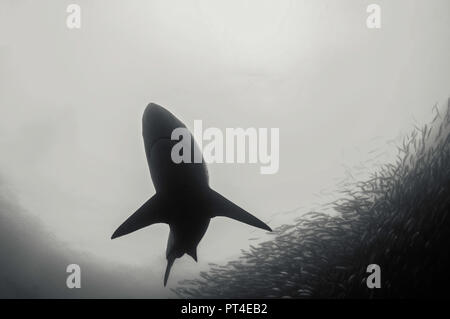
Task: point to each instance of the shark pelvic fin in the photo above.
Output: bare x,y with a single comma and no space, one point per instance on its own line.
193,253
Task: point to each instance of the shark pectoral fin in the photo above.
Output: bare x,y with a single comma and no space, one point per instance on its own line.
170,261
193,253
221,206
150,213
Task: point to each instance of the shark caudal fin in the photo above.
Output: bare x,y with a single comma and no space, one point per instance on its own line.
150,213
220,206
170,261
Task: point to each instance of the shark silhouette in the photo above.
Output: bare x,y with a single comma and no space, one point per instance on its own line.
183,198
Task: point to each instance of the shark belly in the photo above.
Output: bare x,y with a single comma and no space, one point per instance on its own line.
174,177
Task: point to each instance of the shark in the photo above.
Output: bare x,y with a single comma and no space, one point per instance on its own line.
183,199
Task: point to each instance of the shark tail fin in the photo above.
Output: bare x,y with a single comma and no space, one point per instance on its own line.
170,261
220,206
150,213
